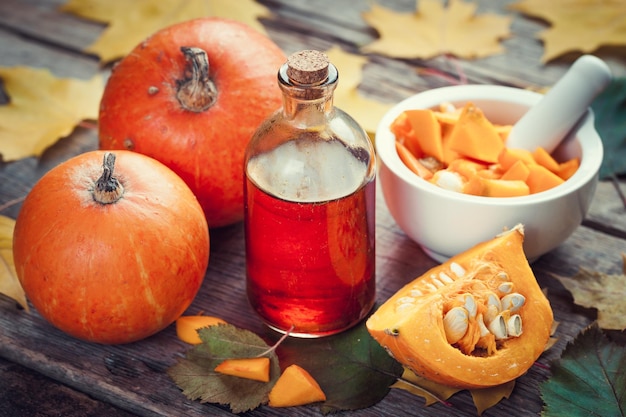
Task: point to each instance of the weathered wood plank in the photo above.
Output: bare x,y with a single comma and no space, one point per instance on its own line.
24,392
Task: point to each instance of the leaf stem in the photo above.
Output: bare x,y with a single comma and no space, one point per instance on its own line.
275,345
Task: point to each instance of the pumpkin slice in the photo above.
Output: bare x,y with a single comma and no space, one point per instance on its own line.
568,168
508,157
187,327
518,171
543,158
403,131
427,131
475,137
295,387
257,369
504,188
478,320
412,162
541,179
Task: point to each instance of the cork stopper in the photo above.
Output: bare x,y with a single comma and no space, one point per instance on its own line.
308,67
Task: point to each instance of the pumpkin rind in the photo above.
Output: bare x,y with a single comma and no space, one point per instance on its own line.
111,273
414,334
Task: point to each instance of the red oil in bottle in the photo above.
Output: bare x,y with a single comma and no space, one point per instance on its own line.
310,265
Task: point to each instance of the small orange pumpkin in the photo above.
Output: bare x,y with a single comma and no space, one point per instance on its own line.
478,320
191,96
113,252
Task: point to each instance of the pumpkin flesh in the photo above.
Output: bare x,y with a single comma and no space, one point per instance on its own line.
410,325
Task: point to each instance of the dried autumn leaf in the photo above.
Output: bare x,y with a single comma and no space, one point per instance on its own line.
577,25
129,23
433,392
588,379
42,109
434,29
9,284
604,292
366,112
196,376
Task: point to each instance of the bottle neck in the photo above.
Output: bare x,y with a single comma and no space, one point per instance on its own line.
307,99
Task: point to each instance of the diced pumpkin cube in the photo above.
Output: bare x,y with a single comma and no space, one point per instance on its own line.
508,157
412,162
518,171
466,167
474,186
257,369
403,131
568,168
295,387
427,131
449,155
400,125
474,136
543,158
504,188
540,179
187,327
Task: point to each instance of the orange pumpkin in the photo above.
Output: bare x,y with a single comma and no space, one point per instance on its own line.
191,96
475,321
111,252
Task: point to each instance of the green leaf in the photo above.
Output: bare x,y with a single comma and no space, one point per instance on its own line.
589,379
352,369
610,112
195,373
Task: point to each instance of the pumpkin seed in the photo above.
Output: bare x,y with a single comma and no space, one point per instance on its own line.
455,324
513,302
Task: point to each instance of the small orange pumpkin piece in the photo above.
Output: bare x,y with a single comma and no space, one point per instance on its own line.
187,327
412,162
257,369
474,136
427,131
541,179
568,168
478,320
295,387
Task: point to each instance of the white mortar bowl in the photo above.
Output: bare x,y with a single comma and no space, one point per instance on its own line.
445,223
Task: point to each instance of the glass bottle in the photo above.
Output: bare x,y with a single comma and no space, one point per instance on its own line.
309,195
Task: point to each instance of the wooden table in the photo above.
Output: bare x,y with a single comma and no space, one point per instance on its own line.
46,373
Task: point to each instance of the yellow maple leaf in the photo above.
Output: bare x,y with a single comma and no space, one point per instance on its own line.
433,392
604,292
129,23
42,109
367,112
434,29
577,25
9,284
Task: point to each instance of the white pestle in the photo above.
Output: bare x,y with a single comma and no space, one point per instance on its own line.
549,121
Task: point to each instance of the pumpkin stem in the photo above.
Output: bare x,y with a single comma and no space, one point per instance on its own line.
108,189
196,92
